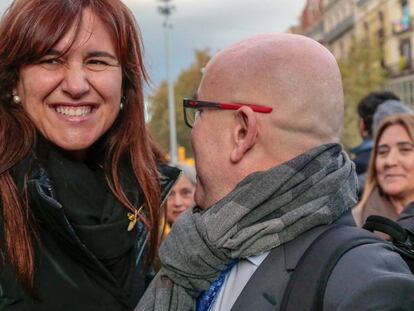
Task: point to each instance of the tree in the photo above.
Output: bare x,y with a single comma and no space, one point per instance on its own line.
361,73
185,86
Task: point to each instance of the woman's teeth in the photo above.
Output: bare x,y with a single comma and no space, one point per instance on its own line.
74,111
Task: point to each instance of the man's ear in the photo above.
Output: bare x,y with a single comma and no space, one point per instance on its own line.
244,133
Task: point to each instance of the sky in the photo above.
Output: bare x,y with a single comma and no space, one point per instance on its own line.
199,24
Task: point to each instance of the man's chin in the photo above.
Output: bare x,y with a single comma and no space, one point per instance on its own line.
199,198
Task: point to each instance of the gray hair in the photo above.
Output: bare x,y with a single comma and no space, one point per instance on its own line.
188,171
388,108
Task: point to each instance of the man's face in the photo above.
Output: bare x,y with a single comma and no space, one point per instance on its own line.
209,144
213,132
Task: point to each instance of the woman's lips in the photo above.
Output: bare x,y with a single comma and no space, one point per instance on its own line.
393,176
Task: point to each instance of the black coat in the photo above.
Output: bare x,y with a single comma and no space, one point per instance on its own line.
68,275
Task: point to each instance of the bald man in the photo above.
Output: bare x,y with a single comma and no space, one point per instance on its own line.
271,177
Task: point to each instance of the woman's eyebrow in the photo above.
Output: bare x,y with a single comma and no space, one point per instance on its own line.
101,54
97,53
54,52
405,143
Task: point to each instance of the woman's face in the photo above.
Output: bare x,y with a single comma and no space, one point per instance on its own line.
180,198
395,162
74,99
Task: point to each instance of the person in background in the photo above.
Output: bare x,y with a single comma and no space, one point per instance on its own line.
181,196
387,108
271,176
366,110
390,181
80,184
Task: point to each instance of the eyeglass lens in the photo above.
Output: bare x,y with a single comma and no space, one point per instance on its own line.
191,115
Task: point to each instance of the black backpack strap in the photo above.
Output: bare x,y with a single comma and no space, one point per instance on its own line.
388,226
402,239
306,288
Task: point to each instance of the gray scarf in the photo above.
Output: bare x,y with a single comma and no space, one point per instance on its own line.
265,210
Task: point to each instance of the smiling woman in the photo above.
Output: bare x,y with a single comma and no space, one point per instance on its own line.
73,93
390,183
80,185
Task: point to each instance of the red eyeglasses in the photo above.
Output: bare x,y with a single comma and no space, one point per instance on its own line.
192,108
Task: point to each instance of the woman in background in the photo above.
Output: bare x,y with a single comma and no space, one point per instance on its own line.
79,182
181,197
390,183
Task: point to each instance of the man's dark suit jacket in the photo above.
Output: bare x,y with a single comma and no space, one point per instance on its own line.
369,277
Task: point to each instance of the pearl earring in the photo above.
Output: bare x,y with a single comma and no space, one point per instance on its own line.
121,106
17,100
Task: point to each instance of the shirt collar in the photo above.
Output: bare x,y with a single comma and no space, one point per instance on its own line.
258,259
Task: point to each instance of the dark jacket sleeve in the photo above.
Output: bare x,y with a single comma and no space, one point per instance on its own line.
370,277
12,295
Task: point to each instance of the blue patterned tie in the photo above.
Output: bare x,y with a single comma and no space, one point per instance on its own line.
206,299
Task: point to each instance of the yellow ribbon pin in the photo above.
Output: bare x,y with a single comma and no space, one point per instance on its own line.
133,218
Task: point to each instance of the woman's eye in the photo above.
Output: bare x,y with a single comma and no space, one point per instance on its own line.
97,64
382,152
50,63
406,150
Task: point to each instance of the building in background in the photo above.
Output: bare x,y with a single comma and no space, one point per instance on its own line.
390,22
400,56
311,20
373,23
339,22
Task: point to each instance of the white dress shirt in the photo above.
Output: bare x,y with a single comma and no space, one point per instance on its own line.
235,281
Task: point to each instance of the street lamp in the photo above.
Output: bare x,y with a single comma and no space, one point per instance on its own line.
166,10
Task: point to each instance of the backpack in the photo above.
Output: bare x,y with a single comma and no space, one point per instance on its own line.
310,277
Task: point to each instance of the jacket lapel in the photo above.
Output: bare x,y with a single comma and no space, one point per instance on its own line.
260,292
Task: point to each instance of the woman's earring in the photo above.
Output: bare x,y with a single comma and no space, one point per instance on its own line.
17,100
121,105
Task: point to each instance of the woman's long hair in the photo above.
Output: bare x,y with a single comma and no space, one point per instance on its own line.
28,30
407,121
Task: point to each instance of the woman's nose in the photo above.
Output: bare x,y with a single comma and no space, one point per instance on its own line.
75,82
392,158
178,200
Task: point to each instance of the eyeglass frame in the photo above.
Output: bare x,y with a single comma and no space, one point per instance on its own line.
195,104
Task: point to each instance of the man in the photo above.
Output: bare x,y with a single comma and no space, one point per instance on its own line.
267,184
366,110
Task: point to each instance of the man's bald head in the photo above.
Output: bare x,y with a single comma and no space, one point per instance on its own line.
294,74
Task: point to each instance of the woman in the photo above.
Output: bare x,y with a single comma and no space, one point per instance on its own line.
390,182
181,196
79,184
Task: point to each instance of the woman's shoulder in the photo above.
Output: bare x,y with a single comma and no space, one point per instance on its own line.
376,204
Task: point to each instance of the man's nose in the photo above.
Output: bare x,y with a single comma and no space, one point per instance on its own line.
75,82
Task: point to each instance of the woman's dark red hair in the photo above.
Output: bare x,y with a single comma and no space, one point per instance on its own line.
28,30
